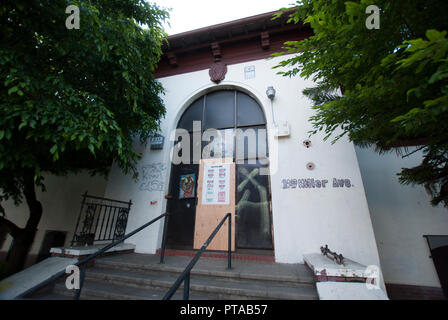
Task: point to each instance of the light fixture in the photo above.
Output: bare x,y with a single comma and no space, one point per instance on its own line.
270,92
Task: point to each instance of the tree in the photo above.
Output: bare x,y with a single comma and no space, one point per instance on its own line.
394,80
73,99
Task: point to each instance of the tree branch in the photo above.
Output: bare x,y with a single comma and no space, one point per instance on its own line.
407,143
418,149
33,204
9,227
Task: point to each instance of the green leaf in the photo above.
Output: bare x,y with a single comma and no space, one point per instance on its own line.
12,90
53,149
92,148
23,124
394,80
434,35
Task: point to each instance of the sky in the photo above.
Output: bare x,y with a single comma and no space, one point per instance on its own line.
187,15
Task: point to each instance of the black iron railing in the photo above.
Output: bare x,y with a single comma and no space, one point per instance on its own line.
100,219
83,262
185,275
164,236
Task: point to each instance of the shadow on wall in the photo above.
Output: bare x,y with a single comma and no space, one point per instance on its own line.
2,237
2,257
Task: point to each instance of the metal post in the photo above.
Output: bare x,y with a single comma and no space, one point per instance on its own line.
187,287
186,273
165,227
229,253
81,281
79,218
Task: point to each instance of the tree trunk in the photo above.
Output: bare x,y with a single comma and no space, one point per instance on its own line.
23,238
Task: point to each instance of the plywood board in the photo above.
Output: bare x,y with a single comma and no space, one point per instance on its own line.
208,210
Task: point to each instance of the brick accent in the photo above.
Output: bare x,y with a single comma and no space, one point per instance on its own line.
337,279
355,279
320,278
323,278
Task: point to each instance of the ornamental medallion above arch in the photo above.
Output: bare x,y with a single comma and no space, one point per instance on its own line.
217,72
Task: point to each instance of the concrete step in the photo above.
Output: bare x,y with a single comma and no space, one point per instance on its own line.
101,290
204,285
273,273
141,276
49,296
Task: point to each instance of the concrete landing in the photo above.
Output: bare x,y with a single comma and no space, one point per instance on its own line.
22,282
348,291
351,281
88,250
324,266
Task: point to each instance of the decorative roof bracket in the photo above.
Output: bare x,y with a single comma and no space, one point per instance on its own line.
265,41
216,50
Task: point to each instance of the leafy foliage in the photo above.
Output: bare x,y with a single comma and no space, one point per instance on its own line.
76,99
394,79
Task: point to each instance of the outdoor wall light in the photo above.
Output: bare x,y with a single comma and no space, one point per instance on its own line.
270,92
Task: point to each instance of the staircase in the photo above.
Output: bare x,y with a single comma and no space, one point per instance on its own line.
141,276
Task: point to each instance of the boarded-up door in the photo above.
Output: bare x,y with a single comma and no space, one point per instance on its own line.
216,198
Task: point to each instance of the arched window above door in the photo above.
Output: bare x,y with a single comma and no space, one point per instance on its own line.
236,116
223,110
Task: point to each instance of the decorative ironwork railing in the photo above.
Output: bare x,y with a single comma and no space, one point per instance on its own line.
100,219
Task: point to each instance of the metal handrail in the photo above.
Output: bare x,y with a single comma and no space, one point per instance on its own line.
164,237
185,275
89,258
84,261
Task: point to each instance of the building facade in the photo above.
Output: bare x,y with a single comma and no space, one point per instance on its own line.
292,193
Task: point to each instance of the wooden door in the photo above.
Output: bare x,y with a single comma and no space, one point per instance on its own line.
216,198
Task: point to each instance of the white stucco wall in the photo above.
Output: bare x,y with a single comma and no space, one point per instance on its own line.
303,219
401,215
61,204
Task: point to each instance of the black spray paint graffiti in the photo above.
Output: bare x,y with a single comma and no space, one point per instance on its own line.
262,205
315,183
153,179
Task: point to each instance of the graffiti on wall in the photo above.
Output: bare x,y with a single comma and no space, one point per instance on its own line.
152,177
262,205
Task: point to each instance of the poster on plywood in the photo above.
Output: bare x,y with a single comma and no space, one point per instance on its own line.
216,184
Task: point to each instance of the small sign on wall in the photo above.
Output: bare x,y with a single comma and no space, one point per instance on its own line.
249,72
157,142
282,129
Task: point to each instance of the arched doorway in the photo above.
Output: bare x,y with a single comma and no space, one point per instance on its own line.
240,119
